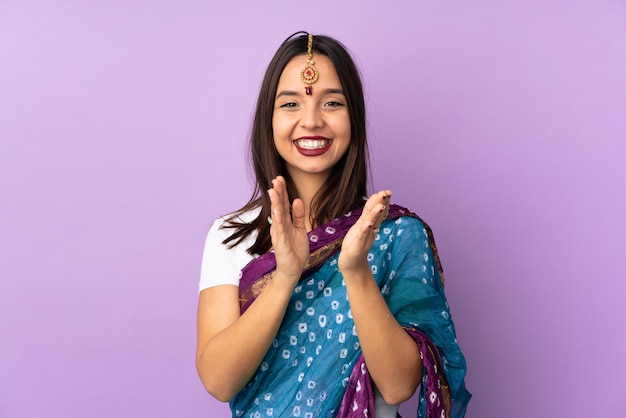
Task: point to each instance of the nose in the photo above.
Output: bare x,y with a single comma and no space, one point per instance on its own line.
312,117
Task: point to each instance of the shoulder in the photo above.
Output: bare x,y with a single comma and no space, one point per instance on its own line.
408,228
238,217
404,217
221,263
224,226
413,231
221,226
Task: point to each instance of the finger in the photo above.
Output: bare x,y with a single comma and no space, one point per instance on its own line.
280,185
374,208
369,218
275,210
366,227
383,196
375,211
387,202
297,212
381,213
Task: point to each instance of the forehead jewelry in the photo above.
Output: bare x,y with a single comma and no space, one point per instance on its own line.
309,74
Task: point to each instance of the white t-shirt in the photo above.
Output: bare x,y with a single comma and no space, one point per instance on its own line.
221,265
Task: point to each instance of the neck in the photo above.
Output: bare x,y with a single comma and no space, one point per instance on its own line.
307,186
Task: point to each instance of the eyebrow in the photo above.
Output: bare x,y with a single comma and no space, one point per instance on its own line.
287,93
294,93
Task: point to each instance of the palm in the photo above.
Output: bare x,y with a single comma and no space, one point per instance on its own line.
291,248
288,232
360,237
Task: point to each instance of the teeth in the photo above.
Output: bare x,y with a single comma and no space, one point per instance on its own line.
312,143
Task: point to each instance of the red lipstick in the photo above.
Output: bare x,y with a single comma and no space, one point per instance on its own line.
312,146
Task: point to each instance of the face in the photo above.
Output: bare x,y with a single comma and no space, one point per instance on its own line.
311,133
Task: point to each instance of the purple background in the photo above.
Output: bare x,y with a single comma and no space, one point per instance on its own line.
123,126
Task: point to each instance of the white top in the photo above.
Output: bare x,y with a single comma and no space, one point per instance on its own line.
220,264
223,265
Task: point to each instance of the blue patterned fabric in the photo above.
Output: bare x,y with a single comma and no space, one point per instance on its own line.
307,368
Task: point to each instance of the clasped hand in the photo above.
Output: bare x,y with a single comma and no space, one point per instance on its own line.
289,235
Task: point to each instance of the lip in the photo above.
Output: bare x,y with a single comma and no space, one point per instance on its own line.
312,137
319,149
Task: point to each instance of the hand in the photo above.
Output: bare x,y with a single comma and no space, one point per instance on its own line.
288,232
359,239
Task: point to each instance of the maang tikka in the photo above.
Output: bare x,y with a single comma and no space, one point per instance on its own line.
309,74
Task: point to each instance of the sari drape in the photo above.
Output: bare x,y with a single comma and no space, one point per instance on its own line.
314,367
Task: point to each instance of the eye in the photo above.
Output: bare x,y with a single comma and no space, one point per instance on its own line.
333,103
288,105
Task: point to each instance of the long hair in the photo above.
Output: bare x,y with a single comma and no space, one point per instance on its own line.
347,183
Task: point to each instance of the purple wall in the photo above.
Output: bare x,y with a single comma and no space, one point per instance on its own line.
122,129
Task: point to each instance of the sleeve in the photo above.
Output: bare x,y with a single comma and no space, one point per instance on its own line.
218,261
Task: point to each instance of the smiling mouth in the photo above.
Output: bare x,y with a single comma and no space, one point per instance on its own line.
312,144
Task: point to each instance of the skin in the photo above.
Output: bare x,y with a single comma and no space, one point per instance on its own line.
231,346
323,114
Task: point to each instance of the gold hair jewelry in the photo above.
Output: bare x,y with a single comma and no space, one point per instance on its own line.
309,74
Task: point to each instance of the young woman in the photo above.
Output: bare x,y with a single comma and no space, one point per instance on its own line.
315,301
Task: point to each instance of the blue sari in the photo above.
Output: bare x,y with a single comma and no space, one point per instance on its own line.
314,367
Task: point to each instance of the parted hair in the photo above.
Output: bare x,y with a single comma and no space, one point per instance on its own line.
347,183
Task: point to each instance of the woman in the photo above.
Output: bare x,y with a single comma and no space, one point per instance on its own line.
315,302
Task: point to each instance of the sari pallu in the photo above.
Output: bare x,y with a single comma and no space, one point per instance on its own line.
314,367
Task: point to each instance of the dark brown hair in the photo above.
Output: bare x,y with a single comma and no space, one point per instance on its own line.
347,183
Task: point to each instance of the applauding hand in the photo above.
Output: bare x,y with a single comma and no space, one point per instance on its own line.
288,232
359,239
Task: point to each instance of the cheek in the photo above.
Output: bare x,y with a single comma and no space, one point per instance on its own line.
280,127
347,131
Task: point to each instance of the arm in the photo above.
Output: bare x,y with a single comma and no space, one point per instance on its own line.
391,355
230,345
